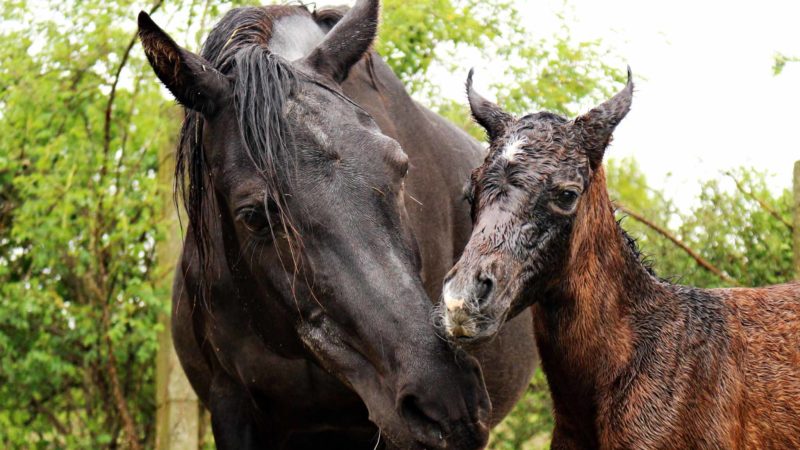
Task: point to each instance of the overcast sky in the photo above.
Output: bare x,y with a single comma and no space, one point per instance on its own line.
706,98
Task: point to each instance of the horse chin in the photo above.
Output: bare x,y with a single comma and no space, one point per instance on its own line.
354,370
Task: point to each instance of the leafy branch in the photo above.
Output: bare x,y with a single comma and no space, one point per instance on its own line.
772,212
702,262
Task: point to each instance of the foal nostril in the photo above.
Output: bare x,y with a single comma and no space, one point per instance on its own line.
483,288
426,428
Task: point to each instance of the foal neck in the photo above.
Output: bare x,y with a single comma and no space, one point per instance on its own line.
584,329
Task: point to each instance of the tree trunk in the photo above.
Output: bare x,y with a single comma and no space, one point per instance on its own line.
177,418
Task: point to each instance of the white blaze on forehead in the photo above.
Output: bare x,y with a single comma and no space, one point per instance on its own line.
513,148
293,37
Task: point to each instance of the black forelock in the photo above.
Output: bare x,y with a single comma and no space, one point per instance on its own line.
237,46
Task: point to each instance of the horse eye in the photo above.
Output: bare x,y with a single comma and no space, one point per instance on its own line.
256,221
565,199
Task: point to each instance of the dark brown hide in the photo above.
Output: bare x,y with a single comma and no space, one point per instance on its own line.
311,361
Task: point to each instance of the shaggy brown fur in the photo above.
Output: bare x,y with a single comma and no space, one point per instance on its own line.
632,361
635,362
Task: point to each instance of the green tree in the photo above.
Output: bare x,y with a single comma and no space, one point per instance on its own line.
82,119
555,73
780,60
413,33
738,226
77,311
530,425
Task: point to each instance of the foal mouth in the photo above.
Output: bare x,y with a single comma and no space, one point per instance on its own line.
458,323
463,327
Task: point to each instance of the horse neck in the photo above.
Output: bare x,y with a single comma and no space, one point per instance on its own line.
583,328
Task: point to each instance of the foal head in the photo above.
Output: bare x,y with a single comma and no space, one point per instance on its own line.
525,199
296,201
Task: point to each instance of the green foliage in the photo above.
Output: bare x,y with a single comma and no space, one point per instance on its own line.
530,424
413,31
738,225
78,240
555,73
79,285
780,61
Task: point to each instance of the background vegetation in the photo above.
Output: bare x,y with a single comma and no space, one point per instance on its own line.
82,120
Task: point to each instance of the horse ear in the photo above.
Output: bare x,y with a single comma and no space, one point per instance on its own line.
347,42
192,80
488,115
595,127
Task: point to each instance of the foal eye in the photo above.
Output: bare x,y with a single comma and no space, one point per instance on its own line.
565,199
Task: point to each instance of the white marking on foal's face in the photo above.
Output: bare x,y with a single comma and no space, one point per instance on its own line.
513,148
452,300
456,320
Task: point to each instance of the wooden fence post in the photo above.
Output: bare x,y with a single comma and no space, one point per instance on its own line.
797,220
177,416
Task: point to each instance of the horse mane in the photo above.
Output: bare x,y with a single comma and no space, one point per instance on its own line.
237,45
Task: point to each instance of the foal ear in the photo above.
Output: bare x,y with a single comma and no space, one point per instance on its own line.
595,127
488,115
192,80
347,42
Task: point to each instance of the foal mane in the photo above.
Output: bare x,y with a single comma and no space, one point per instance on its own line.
632,244
237,45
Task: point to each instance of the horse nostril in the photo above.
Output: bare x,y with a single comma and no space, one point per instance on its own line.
483,288
426,428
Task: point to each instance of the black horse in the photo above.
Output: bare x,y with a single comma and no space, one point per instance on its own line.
324,209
